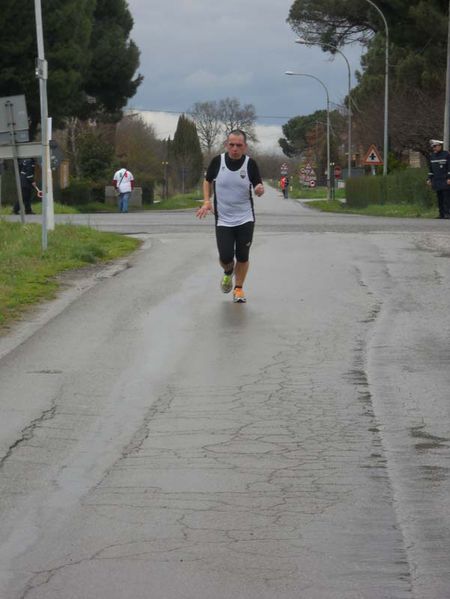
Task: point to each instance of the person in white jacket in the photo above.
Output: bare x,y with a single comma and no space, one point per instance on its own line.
123,182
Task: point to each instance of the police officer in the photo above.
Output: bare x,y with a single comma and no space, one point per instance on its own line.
27,183
439,176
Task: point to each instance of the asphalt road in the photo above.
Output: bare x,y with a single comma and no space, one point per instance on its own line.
159,442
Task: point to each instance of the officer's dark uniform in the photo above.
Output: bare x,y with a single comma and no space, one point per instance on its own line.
26,168
439,172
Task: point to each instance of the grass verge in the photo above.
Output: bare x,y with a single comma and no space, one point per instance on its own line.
178,202
27,275
315,193
37,209
392,210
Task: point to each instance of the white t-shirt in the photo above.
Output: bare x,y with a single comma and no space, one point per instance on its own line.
123,178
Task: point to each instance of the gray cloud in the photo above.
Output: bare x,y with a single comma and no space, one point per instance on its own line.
199,50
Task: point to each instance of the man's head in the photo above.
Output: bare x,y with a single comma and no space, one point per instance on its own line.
436,145
236,144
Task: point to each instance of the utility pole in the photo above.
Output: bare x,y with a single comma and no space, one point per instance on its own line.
41,74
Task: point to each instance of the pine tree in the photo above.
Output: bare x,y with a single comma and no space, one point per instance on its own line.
87,53
115,58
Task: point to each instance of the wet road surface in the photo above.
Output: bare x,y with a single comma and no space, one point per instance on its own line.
158,441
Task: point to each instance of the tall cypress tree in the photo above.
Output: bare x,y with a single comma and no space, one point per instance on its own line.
186,154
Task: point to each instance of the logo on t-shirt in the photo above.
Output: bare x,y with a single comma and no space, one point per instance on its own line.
242,173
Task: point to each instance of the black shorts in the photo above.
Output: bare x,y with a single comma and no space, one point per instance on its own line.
234,242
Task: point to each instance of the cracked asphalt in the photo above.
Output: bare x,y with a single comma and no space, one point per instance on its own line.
158,441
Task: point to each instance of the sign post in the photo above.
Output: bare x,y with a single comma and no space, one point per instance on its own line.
13,130
372,158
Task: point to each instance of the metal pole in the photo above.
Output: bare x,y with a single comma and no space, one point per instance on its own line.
50,202
349,118
328,148
328,122
41,72
386,87
447,89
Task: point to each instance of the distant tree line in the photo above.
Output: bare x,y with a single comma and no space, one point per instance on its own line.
160,166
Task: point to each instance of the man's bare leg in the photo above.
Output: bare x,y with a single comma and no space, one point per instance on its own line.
240,272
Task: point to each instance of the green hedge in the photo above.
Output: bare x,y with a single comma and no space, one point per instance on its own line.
82,191
8,191
401,187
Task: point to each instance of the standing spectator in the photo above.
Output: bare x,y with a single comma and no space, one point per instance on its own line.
231,177
123,182
439,176
27,184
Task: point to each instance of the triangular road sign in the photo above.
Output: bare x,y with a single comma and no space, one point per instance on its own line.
372,158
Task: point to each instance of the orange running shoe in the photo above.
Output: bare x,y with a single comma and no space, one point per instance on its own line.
238,296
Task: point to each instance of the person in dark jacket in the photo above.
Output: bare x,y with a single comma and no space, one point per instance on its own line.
439,176
27,183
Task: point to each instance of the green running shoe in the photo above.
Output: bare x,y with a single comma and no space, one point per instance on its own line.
226,284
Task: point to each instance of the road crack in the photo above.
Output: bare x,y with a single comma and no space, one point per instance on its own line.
28,432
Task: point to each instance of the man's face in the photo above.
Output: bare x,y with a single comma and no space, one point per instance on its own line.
437,147
236,146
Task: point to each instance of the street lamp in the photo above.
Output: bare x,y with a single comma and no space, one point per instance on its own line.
165,164
349,119
386,86
328,121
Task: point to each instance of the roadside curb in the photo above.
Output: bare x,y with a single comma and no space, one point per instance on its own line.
73,284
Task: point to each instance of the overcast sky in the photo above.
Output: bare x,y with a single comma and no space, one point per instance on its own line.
202,50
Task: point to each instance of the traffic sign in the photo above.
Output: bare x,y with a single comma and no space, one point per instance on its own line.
372,158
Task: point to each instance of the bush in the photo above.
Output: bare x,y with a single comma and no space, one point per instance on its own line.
401,187
95,156
148,189
82,191
8,191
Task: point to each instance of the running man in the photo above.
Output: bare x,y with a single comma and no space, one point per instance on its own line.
230,178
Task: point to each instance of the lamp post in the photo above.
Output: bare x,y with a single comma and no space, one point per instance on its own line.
328,121
165,164
386,86
349,119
